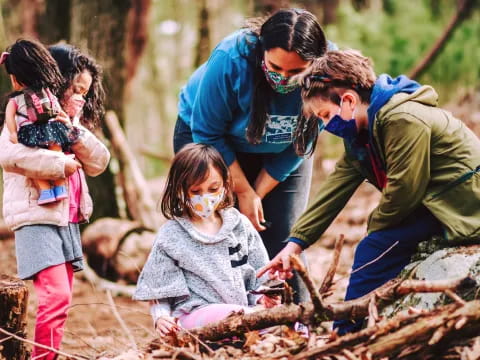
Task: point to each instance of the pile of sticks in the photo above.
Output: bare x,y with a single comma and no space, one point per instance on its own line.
447,332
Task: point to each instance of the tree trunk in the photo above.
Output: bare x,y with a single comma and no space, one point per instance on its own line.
13,317
329,8
99,27
137,35
54,25
265,7
203,44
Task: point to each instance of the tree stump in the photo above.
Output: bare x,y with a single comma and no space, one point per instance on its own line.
13,317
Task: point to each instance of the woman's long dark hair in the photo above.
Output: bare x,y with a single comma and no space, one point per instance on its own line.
71,63
292,30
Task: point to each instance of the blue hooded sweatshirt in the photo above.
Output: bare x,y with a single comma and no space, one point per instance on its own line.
216,102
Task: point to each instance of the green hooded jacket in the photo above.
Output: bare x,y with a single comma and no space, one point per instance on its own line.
430,157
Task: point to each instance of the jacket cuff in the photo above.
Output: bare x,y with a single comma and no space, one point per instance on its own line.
303,244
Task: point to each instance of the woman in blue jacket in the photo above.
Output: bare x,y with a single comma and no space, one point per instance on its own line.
241,102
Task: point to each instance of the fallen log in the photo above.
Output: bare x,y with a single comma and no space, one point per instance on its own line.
422,336
13,318
240,323
117,249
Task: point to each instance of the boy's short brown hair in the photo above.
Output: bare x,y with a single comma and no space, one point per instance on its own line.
339,69
191,166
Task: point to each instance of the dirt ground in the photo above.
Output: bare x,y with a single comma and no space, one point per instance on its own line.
92,330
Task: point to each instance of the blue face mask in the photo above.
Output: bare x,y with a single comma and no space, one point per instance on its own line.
346,129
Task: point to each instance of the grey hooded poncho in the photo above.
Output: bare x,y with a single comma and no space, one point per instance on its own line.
191,269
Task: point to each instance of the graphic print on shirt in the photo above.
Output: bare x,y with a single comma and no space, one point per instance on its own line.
279,129
237,259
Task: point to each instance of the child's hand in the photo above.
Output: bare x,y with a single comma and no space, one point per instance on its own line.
166,325
63,118
269,301
13,138
71,165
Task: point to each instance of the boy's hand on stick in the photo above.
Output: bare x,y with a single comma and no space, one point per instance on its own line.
280,265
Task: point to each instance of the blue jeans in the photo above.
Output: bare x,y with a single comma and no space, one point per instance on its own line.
281,207
418,226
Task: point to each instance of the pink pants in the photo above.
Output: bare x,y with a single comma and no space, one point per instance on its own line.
209,313
54,292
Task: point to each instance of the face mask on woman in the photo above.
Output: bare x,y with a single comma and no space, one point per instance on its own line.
204,205
278,82
346,129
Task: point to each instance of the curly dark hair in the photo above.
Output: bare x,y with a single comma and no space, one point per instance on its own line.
72,62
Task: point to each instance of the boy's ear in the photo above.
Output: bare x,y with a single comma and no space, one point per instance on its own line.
350,98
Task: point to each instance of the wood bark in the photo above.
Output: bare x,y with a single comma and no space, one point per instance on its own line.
421,336
13,317
138,196
117,249
99,28
240,323
264,7
137,35
203,43
54,24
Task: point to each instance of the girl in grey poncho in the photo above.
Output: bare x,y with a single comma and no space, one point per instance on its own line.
205,257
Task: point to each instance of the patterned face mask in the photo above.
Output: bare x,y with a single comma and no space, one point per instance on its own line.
204,205
278,82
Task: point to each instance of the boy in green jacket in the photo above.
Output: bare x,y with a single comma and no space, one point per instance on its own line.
425,162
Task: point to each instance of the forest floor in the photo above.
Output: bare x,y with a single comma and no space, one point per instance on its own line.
93,330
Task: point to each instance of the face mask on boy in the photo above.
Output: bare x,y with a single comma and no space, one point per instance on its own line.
278,82
204,205
346,129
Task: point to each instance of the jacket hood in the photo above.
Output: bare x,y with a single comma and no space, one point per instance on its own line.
385,88
230,218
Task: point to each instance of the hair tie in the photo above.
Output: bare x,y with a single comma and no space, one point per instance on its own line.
307,82
4,57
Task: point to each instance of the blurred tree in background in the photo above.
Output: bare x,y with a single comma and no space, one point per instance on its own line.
148,49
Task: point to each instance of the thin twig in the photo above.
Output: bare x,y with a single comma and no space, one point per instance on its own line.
118,307
454,297
327,281
40,345
370,262
287,294
120,320
302,272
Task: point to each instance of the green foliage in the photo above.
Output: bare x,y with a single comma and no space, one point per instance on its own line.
399,36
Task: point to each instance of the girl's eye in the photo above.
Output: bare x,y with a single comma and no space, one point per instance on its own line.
194,191
213,190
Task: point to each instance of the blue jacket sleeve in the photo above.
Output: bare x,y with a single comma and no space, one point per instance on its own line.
215,104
